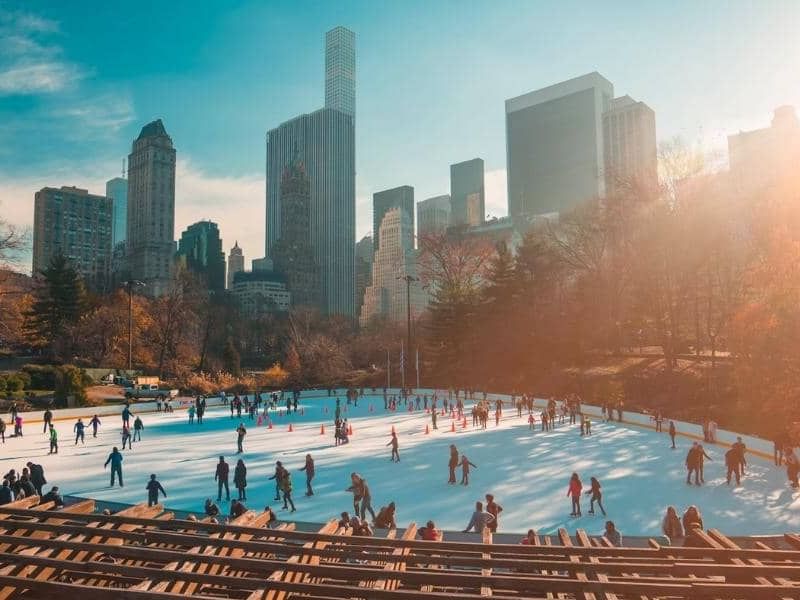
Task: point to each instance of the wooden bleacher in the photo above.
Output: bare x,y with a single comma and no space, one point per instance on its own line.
143,553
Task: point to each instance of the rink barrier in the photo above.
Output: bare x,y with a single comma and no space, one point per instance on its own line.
694,431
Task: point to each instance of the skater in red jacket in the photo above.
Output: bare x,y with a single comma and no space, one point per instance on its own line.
574,491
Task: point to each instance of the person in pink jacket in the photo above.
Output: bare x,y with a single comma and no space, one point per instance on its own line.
574,491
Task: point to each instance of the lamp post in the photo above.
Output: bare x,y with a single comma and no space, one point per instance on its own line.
408,279
129,285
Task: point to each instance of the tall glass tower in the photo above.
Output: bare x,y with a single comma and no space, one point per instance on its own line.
340,70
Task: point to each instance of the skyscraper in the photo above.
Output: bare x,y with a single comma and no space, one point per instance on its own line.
235,263
385,297
382,202
629,138
554,145
76,224
364,256
467,194
433,215
117,190
151,208
340,70
324,141
292,254
200,247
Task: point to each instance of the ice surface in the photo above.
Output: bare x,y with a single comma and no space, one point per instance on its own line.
527,472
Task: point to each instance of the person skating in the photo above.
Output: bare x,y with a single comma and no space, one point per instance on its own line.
126,416
672,432
494,509
37,477
211,509
279,471
309,469
153,487
221,477
701,455
286,488
792,465
2,430
95,423
137,429
433,418
79,428
115,459
48,418
732,464
741,449
53,496
574,492
394,444
53,440
386,517
240,479
18,426
126,437
240,433
693,464
191,410
480,519
465,465
452,464
596,494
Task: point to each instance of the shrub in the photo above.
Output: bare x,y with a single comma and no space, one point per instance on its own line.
41,377
71,381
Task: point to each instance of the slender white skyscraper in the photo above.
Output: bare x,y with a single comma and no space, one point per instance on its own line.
340,70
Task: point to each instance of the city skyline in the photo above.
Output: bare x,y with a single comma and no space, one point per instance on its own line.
48,70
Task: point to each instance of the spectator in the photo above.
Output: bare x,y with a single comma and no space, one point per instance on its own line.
671,525
6,493
429,533
480,519
53,496
692,516
529,539
612,535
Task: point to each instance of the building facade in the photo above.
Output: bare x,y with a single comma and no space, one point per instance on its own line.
433,215
467,193
200,247
340,70
260,292
382,202
364,255
70,221
117,190
629,145
292,254
385,296
235,263
151,209
554,145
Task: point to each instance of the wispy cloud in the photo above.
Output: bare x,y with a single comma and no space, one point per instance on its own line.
31,60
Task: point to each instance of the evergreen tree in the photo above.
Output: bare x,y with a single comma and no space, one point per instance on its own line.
231,360
59,303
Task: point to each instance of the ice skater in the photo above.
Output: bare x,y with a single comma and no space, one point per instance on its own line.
79,432
394,444
240,433
279,470
286,488
95,423
596,493
126,416
672,432
240,479
115,460
126,437
574,492
48,418
153,487
221,477
309,469
191,411
452,464
465,465
137,429
53,440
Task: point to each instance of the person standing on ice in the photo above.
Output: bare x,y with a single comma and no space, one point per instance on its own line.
153,487
240,479
337,412
574,492
433,418
191,411
286,488
137,429
115,460
596,494
672,432
452,464
95,423
309,469
740,448
221,477
693,464
79,431
48,418
701,457
53,440
126,416
480,519
465,465
277,476
240,433
394,444
126,437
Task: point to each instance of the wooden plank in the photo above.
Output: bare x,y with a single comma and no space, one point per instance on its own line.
565,540
486,572
398,564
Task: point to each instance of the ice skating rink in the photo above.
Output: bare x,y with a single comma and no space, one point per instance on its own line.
526,471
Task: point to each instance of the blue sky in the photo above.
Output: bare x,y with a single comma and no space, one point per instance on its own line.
79,79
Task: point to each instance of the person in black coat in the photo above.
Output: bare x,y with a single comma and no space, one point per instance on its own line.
221,477
37,477
240,479
153,487
53,496
6,493
452,463
309,469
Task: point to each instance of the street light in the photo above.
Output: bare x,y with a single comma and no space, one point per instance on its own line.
408,279
129,285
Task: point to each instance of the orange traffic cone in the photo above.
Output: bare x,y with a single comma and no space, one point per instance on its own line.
290,428
322,429
349,430
452,427
427,430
